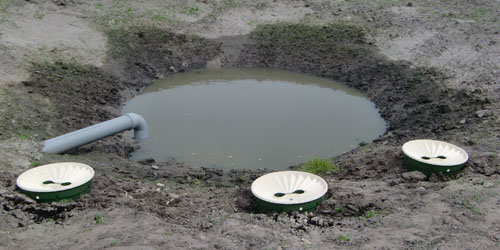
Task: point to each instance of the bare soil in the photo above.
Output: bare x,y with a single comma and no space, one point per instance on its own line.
432,68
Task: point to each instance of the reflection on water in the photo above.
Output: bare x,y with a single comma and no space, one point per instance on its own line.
252,118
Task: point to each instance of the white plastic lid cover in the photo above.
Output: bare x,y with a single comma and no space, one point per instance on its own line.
308,187
435,152
55,177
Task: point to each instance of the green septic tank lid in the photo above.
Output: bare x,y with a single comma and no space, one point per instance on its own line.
288,191
431,156
57,181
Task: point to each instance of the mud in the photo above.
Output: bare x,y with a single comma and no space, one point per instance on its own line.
372,204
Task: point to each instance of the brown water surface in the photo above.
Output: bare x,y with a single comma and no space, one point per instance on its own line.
252,118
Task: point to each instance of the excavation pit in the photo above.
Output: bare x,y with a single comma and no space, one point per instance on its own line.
252,118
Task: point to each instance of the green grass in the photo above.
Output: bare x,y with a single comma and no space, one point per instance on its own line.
23,135
318,166
35,163
190,10
338,209
478,13
471,207
345,238
370,214
38,15
197,183
99,219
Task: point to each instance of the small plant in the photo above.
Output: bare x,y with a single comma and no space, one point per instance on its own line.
65,200
365,149
197,183
23,136
345,238
38,15
370,214
318,166
113,242
34,163
158,17
478,13
99,219
338,209
473,208
190,10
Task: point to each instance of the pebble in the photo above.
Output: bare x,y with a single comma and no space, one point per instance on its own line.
18,214
483,113
463,121
488,185
315,220
160,184
421,190
155,167
414,176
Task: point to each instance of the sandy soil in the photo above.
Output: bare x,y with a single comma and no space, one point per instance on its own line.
432,68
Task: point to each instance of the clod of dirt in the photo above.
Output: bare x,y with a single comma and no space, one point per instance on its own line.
414,176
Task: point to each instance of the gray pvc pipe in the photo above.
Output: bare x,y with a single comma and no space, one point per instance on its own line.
93,133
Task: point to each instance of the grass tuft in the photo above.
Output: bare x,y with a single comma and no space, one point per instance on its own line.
318,166
99,219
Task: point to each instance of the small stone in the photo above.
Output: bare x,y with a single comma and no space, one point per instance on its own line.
488,185
147,161
59,2
315,220
421,190
18,214
444,108
463,121
331,222
414,176
155,167
394,182
284,220
478,181
160,184
483,113
128,187
206,225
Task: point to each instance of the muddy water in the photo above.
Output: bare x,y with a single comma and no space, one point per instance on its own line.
252,118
